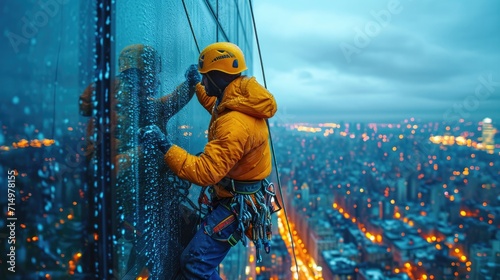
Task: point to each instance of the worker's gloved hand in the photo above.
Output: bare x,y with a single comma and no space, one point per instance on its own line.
192,75
151,136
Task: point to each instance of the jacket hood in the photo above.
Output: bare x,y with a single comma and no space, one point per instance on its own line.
247,96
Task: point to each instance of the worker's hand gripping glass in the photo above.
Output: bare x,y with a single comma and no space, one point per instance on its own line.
151,137
192,75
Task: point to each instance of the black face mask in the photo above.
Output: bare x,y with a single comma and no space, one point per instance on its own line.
211,88
215,82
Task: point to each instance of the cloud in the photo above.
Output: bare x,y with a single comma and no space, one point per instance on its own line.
409,57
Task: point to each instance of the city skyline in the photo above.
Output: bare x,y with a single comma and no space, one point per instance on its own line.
384,200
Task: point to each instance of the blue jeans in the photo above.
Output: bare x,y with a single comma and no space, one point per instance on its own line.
204,253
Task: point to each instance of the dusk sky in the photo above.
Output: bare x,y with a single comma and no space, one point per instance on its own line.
381,61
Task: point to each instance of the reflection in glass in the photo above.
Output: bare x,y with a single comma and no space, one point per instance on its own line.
49,131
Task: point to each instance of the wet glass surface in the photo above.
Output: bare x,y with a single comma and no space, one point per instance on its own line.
50,132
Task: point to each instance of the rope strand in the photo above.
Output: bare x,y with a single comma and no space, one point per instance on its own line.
191,26
258,44
272,145
217,20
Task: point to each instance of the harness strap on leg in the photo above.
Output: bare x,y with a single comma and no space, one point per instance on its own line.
233,239
223,224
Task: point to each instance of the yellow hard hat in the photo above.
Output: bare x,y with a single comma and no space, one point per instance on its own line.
139,56
222,56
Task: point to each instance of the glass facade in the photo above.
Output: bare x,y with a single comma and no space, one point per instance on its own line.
80,198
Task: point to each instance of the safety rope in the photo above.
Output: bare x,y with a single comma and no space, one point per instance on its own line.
217,20
56,76
258,45
272,145
190,25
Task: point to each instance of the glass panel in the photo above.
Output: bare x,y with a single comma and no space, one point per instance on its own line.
46,63
151,202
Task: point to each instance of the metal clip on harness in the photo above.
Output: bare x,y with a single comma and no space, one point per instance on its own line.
253,209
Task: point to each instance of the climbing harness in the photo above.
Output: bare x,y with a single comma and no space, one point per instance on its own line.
252,205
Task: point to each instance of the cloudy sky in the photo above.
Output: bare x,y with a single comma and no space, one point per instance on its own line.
381,60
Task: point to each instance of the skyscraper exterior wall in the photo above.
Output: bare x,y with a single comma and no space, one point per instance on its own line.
56,49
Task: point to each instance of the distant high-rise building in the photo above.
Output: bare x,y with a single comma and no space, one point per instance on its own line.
305,193
401,190
437,199
488,136
480,256
413,185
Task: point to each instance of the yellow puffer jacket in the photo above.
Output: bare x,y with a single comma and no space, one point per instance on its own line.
238,145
